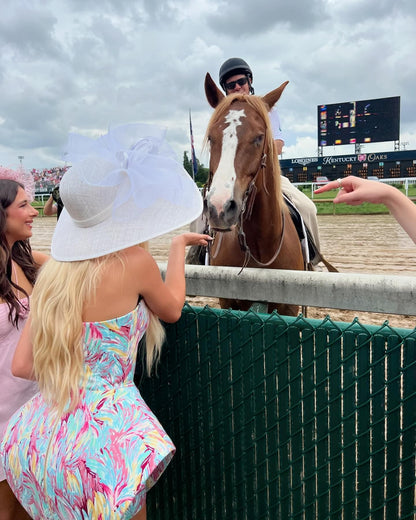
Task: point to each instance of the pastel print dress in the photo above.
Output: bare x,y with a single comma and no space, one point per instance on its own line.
98,461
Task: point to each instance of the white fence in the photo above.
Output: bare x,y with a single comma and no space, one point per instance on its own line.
387,294
406,181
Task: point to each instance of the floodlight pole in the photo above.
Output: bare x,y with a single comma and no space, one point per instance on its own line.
21,157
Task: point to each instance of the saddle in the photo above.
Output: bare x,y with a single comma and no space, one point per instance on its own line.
311,253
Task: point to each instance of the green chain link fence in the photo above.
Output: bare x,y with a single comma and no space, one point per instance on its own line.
285,418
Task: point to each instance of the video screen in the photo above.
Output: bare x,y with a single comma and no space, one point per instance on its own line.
367,121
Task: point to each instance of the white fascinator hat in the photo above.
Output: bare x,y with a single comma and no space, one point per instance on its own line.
122,189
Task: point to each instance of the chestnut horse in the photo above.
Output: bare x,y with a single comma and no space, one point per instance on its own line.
243,202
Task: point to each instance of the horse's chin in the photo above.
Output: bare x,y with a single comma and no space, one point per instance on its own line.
221,230
218,229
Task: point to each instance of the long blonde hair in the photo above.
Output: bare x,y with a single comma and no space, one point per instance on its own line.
57,306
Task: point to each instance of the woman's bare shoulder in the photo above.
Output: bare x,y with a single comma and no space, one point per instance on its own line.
136,253
138,261
39,257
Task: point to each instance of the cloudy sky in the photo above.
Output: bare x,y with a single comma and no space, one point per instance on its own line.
82,65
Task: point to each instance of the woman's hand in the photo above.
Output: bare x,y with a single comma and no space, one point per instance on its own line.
355,191
192,239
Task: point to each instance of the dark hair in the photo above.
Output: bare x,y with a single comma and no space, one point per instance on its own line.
20,252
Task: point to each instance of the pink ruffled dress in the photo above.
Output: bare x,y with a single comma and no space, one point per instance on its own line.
14,391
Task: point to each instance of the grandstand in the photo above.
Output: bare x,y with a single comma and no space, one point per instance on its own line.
384,165
47,179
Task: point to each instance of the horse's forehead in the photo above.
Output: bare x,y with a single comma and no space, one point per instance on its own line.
243,117
233,119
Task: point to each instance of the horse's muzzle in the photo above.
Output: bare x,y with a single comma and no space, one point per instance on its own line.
226,218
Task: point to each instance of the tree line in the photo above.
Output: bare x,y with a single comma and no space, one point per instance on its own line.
202,172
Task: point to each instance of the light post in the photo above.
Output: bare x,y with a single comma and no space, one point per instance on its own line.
21,157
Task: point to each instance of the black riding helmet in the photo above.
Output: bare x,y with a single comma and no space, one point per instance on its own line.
234,66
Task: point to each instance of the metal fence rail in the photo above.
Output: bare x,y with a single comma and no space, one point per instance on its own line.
276,418
361,292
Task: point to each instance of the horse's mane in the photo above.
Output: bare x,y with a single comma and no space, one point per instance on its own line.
257,103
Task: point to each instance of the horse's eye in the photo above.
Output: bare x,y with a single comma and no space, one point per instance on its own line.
258,140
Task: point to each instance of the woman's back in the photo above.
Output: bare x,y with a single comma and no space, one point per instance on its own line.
117,290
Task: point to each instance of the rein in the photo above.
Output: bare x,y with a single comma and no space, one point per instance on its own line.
246,211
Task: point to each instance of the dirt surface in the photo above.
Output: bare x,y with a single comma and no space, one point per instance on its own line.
353,243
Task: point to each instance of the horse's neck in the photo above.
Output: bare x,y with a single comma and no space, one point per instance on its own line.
265,222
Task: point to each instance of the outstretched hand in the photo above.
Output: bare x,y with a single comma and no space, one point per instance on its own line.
192,239
355,191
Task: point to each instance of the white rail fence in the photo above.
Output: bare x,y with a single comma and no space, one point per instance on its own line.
405,181
388,294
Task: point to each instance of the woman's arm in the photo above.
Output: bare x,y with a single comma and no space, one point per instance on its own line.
22,364
50,207
166,299
355,191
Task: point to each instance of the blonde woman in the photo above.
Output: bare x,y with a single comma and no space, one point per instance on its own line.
87,446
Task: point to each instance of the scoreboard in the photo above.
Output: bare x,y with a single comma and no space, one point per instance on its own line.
367,121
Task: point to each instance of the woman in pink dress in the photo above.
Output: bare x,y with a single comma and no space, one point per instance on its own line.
18,268
87,445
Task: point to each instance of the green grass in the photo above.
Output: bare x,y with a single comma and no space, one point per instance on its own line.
328,208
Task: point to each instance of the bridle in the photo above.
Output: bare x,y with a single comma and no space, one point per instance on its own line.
245,214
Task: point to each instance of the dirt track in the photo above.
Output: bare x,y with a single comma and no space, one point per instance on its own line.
354,243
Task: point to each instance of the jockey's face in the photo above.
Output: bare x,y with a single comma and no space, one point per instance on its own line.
233,86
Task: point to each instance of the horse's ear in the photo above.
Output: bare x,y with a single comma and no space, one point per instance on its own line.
213,93
273,97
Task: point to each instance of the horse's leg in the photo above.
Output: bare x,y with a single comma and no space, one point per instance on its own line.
284,309
236,305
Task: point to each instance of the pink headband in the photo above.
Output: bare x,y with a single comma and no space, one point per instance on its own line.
20,176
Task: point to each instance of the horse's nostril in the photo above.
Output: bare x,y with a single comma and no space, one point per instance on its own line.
230,206
212,212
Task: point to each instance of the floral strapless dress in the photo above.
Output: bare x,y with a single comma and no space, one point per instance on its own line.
98,461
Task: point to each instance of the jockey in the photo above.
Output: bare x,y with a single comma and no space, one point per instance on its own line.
236,77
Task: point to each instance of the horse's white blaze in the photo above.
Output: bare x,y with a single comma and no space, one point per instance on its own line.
223,183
